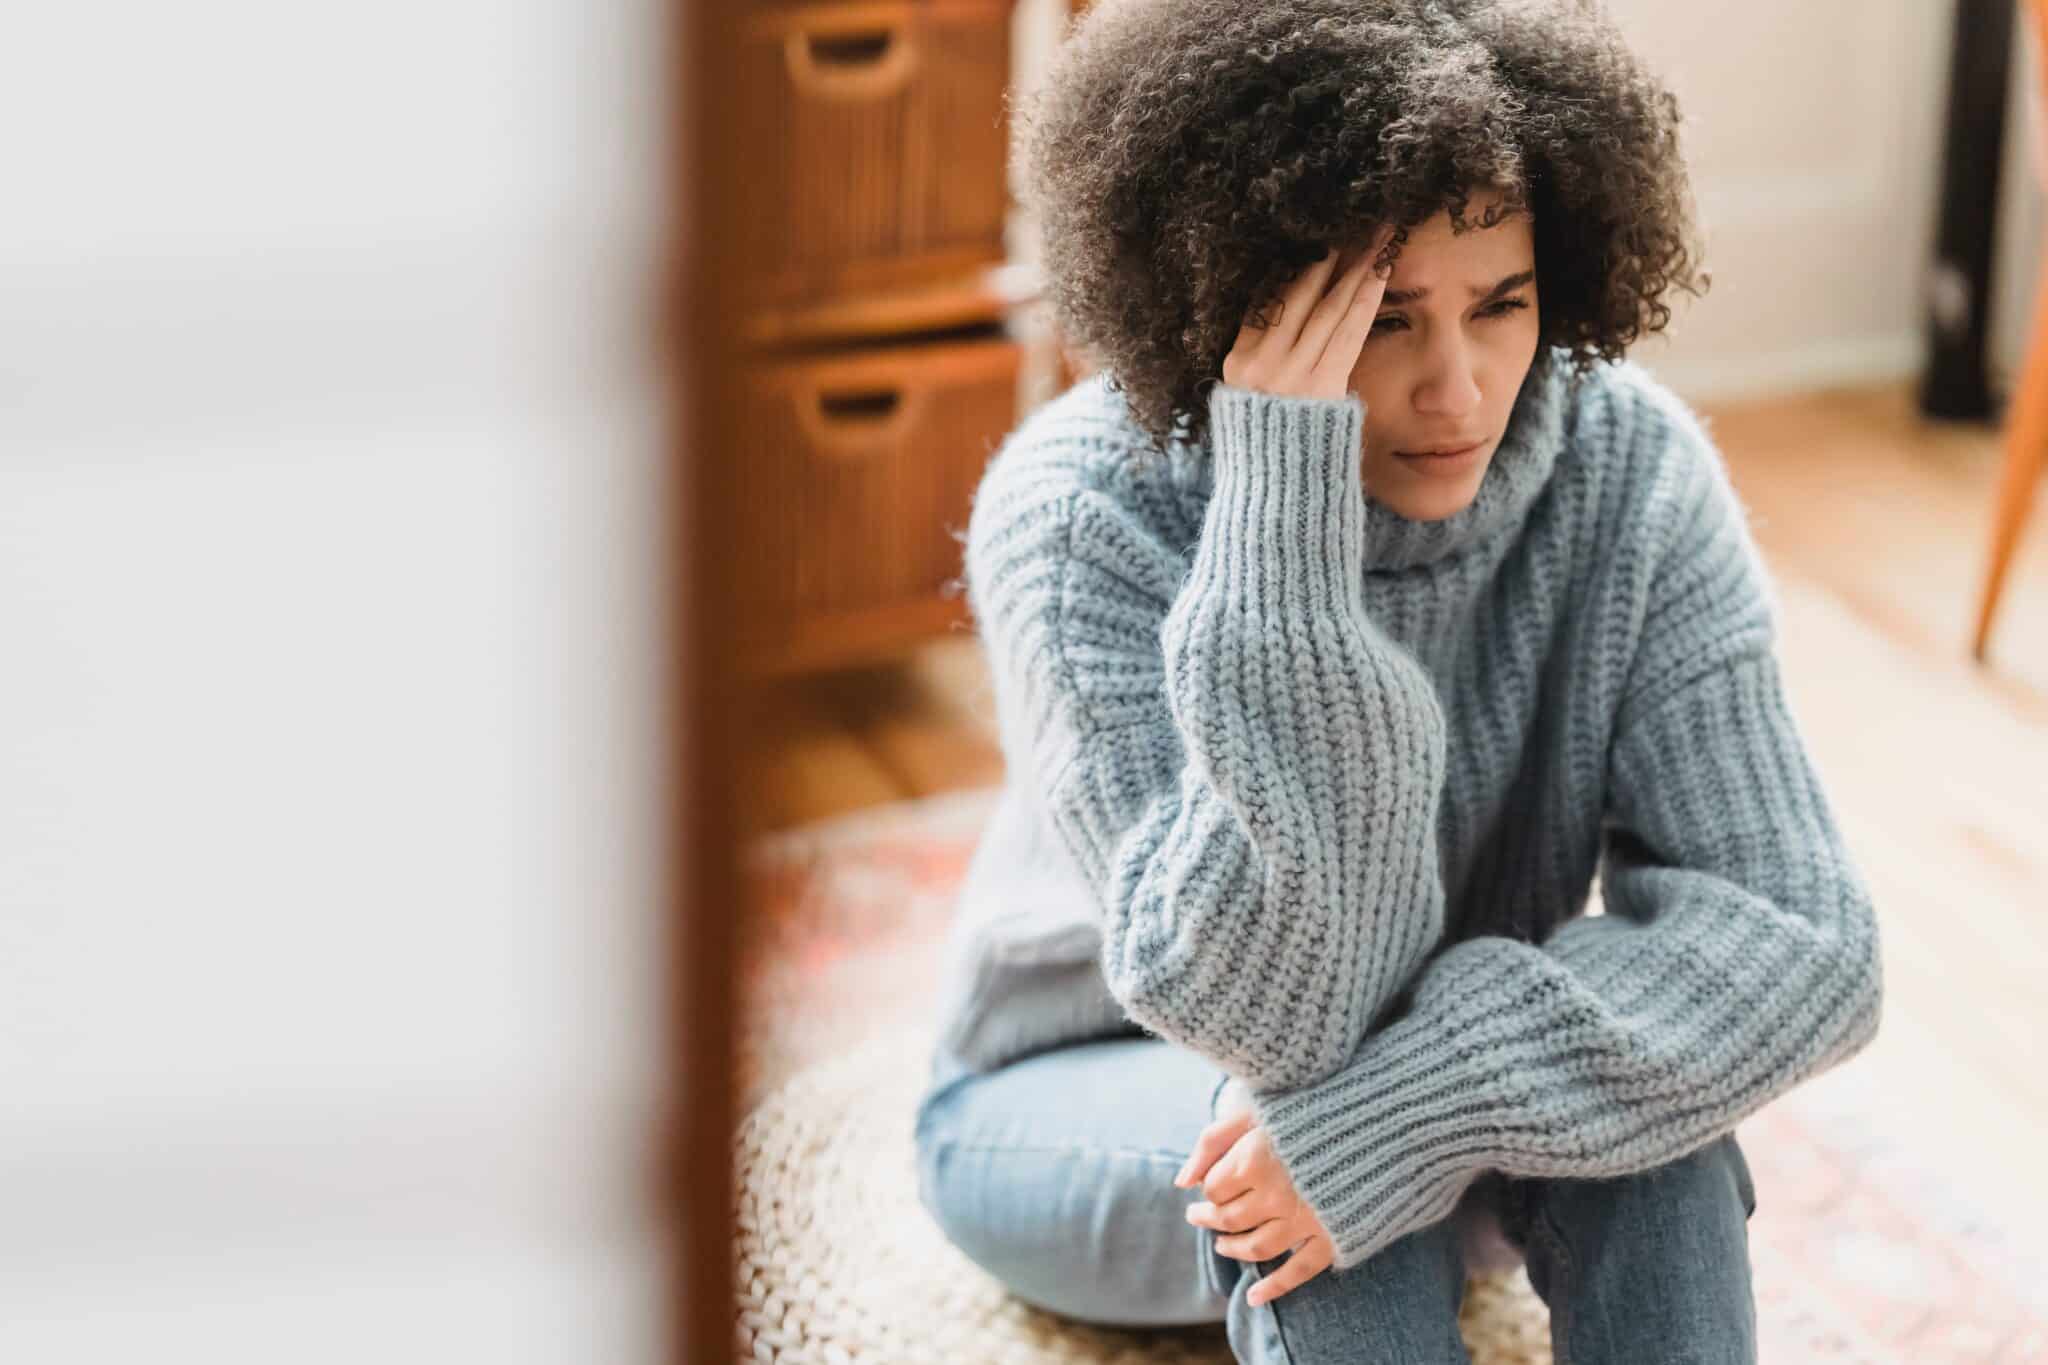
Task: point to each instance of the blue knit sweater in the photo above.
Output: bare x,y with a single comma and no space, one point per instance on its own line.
1321,792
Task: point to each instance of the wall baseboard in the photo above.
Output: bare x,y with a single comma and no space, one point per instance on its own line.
1844,363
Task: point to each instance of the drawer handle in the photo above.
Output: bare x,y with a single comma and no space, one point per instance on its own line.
867,64
851,423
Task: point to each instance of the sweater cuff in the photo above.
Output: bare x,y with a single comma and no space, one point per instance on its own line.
1389,1144
1285,441
1288,502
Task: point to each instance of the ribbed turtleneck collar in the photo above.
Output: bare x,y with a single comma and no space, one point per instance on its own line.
1517,474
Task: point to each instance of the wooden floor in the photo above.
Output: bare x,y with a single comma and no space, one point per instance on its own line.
1875,525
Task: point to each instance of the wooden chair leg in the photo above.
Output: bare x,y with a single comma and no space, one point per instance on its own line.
2026,448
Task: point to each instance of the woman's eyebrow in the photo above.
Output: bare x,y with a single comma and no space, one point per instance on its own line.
1397,297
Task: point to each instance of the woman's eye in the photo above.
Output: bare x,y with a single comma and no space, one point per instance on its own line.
1498,309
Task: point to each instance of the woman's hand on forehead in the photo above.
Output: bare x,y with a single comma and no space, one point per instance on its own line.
1324,315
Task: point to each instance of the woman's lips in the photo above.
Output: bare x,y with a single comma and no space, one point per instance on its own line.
1443,462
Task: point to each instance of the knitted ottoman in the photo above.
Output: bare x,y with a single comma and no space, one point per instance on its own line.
838,1261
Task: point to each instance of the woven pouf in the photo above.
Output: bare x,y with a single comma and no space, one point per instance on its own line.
838,1260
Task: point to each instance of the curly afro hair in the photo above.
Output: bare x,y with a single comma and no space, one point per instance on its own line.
1186,159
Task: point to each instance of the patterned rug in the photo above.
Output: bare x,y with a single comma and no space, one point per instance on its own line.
1862,1253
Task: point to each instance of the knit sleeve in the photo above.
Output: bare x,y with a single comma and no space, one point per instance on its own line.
1738,957
1244,767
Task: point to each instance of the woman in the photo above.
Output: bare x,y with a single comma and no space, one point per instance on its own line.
1367,606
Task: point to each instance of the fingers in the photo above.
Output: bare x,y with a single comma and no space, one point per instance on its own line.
1324,316
1241,1214
1349,329
1264,1242
1299,303
1334,308
1294,305
1218,1138
1309,1260
1235,1172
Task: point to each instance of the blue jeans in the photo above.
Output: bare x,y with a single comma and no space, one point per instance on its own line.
1055,1174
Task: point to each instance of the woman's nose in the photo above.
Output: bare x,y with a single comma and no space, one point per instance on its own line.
1451,388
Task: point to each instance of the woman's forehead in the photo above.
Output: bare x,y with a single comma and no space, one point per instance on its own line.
1434,256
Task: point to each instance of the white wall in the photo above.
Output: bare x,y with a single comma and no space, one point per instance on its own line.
1815,134
328,753
2021,220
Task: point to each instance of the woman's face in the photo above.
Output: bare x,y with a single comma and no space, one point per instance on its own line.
1455,336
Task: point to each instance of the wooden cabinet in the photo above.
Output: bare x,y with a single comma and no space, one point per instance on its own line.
860,471
879,135
884,367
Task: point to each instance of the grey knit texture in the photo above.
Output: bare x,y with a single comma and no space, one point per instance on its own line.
1340,784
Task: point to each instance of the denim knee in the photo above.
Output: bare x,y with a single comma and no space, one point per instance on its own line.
1715,1172
1649,1265
1400,1304
1702,1176
1091,1232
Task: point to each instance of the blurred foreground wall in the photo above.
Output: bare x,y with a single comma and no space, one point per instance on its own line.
329,472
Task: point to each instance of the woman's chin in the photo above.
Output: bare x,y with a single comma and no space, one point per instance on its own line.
1435,501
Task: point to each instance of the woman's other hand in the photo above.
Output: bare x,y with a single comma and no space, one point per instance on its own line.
1311,346
1251,1203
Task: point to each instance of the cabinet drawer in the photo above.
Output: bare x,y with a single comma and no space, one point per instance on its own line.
858,477
878,143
